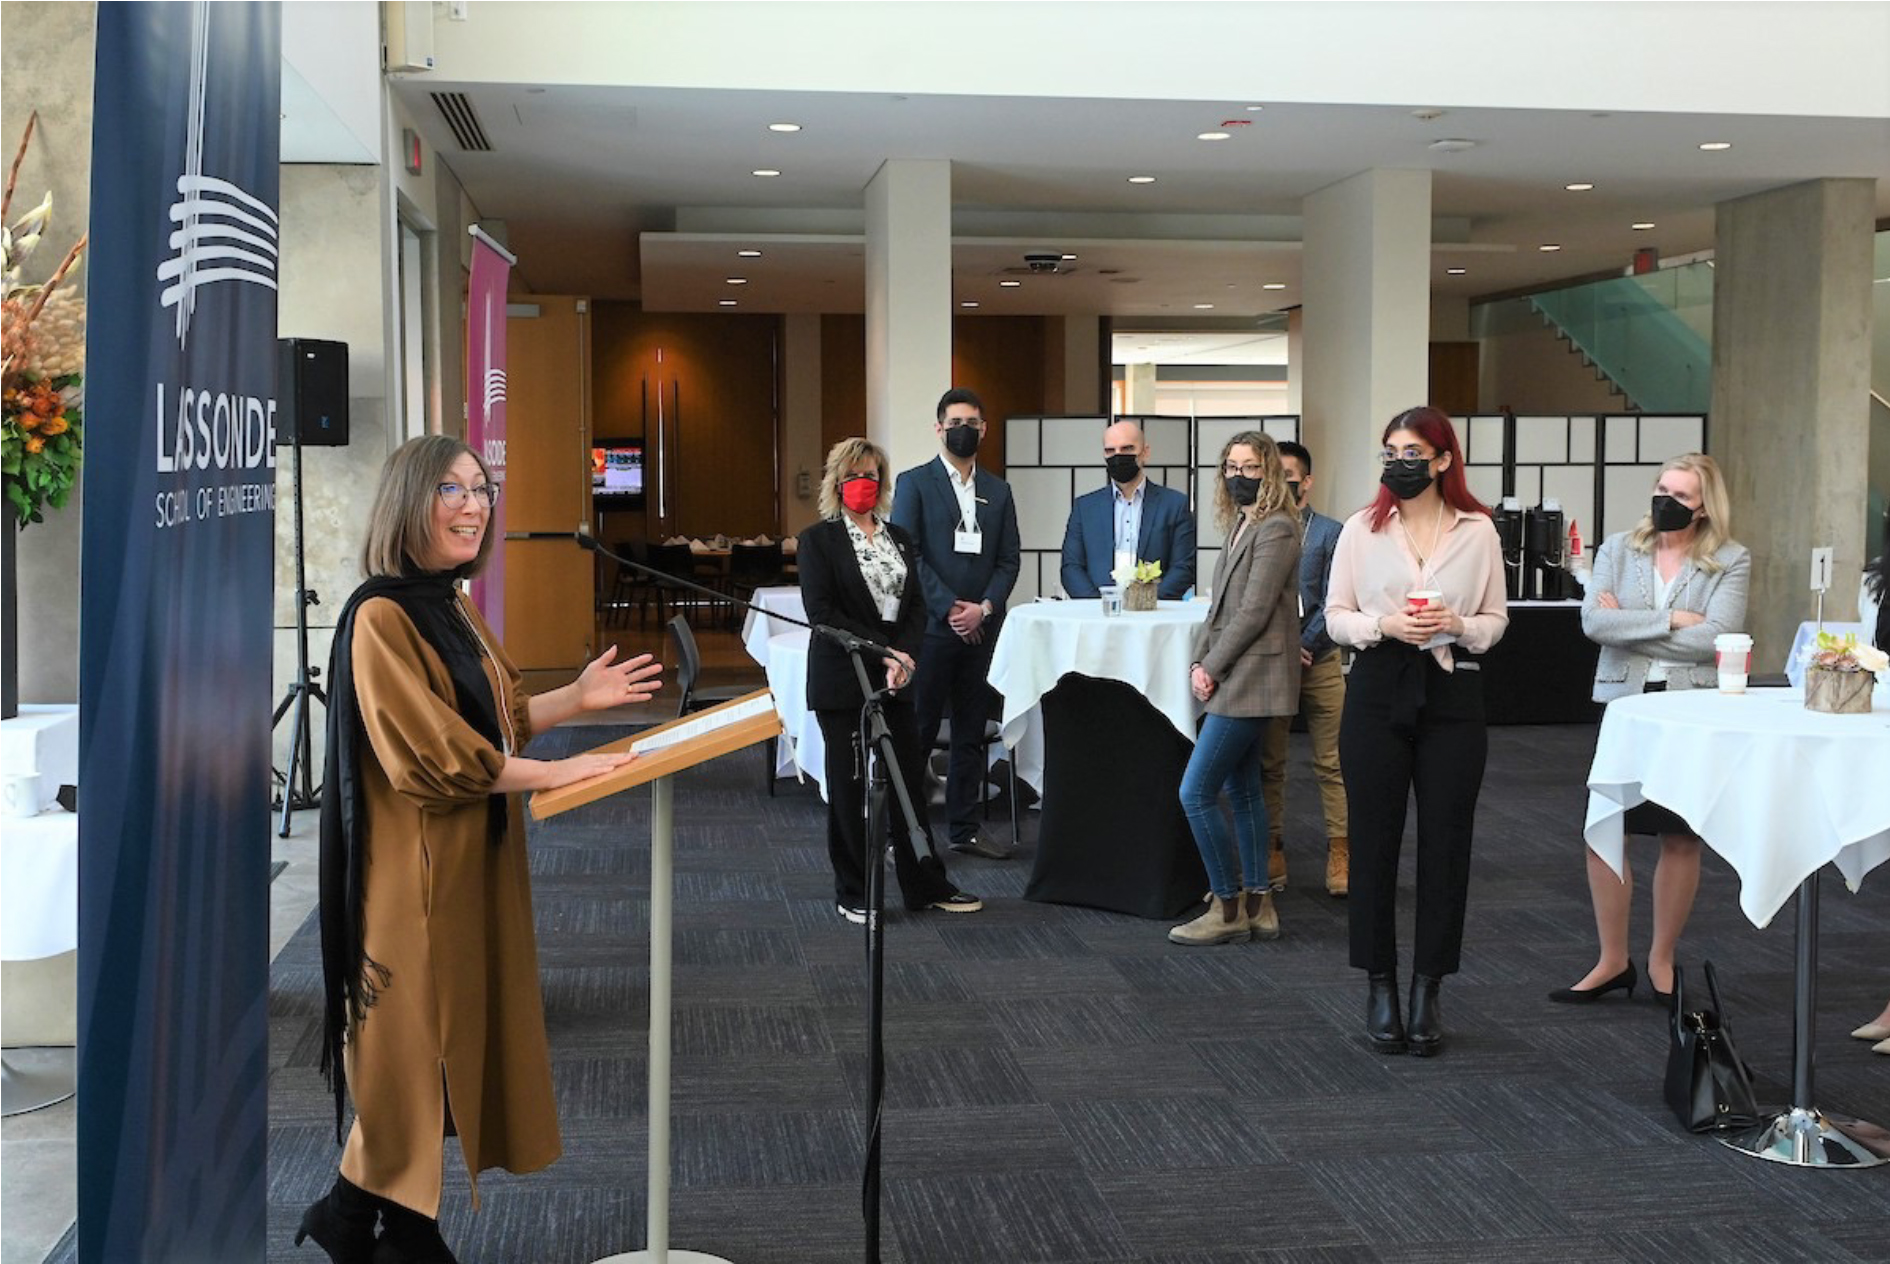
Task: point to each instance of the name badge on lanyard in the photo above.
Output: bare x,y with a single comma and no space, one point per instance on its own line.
889,610
971,541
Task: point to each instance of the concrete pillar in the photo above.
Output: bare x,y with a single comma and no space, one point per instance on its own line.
908,306
1139,381
1366,283
801,456
1791,392
1296,363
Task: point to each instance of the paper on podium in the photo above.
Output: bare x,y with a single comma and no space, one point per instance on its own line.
669,748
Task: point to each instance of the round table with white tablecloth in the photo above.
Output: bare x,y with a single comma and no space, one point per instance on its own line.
1779,792
804,750
1100,717
757,631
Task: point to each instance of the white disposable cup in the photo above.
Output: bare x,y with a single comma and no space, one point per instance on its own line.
19,795
1732,651
1112,601
1424,598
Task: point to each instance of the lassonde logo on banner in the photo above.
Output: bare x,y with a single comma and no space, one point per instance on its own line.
224,237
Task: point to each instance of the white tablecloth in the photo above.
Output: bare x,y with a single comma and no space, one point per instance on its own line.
757,631
1777,790
1808,632
1040,643
39,886
803,749
42,740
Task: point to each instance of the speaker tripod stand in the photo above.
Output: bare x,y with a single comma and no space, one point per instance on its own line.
302,690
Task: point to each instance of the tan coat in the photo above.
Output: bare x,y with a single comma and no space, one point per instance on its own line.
1250,642
449,914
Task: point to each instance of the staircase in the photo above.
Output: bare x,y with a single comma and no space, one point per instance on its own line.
1641,335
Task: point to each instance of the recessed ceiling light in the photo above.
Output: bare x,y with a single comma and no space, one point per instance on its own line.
1642,226
725,302
1010,285
1274,285
1454,271
1141,179
1548,246
1067,258
1255,109
1452,145
968,304
1578,187
784,127
748,254
1214,136
1204,307
764,172
1714,146
738,280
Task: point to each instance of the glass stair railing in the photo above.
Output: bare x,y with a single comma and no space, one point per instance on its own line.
1650,335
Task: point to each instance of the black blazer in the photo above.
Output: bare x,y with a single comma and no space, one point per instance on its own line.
835,593
925,505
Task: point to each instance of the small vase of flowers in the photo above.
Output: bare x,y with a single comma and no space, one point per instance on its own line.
1840,672
1137,582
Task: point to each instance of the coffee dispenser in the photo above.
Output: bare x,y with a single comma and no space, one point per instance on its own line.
1509,530
1545,558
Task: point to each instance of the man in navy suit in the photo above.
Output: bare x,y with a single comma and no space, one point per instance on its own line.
965,524
1321,690
1133,519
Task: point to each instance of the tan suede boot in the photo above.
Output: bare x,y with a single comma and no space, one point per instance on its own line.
1276,866
1262,917
1223,923
1338,865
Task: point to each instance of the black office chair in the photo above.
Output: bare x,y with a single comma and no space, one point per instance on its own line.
629,588
691,698
752,566
675,561
993,736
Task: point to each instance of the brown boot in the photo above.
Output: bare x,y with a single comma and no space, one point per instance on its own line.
1276,866
1338,866
1223,923
1261,915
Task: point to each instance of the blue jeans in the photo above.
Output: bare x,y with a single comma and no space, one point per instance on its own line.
1227,755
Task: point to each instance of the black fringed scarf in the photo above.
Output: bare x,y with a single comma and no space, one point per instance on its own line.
351,980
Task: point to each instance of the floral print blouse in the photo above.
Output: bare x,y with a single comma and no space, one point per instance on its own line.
880,563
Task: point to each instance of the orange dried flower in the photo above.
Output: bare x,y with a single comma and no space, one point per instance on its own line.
35,444
28,422
54,426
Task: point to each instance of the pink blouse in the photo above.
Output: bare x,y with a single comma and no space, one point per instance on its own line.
1373,571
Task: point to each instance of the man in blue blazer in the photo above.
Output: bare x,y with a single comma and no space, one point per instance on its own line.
1132,516
965,525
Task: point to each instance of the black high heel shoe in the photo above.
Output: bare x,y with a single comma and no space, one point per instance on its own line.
1626,980
1426,1026
408,1237
1383,1025
342,1223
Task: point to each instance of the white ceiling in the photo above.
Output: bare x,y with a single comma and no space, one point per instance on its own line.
624,192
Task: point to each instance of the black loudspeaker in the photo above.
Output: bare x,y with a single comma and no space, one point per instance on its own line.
312,392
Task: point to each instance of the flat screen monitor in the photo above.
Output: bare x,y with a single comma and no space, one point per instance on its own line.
616,472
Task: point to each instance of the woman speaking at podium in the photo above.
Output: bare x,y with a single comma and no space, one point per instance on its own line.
432,1016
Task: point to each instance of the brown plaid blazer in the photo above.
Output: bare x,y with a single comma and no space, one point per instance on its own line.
1250,642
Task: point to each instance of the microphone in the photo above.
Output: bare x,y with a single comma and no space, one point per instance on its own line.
849,641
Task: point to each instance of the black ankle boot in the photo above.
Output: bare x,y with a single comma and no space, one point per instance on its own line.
407,1237
1427,1017
1382,1023
342,1223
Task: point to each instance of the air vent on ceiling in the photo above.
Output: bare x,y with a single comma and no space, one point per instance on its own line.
459,115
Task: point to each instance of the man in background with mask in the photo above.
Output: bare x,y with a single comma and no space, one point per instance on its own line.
1133,519
1321,687
965,524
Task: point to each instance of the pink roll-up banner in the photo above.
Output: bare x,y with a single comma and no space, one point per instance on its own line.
485,404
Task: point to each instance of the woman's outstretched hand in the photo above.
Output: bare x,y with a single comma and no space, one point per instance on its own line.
604,682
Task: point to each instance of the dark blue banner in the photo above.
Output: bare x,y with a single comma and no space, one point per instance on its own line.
175,634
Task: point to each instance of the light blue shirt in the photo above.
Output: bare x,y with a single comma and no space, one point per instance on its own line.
1128,534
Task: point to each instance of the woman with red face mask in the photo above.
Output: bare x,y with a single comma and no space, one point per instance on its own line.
860,573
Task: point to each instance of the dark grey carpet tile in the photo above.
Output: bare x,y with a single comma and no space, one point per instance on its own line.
1526,1112
565,867
733,947
1184,973
750,1149
1605,1188
1444,1198
810,858
303,1160
1164,1133
1232,1017
1742,1242
1211,1209
807,1224
1076,1022
1299,1066
1115,1072
1038,941
980,1141
929,1078
1357,1253
1840,1196
715,886
1407,1121
1044,978
904,982
742,985
556,915
571,993
702,1085
601,1088
1863,1238
915,1025
1506,1251
295,991
1017,1218
753,1031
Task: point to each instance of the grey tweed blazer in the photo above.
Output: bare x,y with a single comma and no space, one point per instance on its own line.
1637,635
1250,642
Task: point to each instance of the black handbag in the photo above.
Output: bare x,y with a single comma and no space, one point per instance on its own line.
1708,1085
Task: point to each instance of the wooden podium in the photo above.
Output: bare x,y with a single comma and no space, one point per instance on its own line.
662,752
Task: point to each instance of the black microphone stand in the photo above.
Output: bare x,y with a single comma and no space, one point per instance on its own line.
884,774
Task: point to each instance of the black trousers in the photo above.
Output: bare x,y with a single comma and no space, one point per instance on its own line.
920,881
1410,726
952,671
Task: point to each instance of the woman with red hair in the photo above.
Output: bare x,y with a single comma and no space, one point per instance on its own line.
1417,590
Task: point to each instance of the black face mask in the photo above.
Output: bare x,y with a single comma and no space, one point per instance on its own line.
1243,491
1407,478
1292,491
962,441
1123,467
1670,515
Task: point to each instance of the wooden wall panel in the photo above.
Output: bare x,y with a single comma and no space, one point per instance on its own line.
1454,377
1002,359
842,379
717,376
